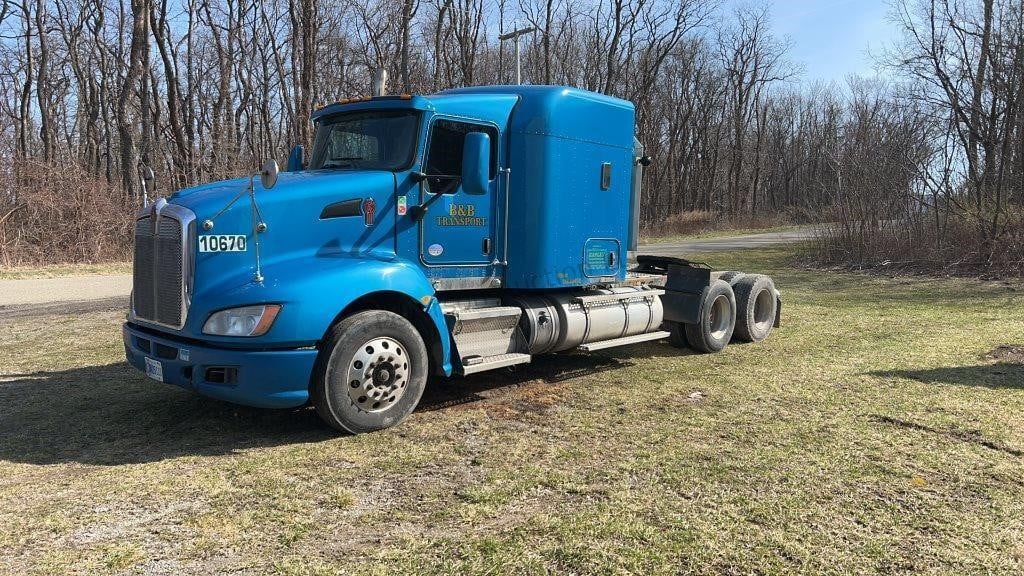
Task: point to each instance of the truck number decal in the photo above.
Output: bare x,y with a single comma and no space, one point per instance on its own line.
222,243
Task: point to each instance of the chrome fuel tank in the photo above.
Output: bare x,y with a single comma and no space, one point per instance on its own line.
556,322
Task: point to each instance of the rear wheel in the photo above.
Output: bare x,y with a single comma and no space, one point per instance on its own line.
731,276
371,372
717,319
756,304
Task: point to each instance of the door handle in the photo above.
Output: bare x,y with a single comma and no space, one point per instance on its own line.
486,246
611,259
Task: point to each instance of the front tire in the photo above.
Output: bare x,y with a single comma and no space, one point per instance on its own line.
371,372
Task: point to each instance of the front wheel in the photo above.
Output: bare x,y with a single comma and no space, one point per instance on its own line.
371,372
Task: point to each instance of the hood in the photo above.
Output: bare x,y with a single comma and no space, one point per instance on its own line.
296,226
291,186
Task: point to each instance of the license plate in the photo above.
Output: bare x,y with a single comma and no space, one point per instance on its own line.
222,243
154,370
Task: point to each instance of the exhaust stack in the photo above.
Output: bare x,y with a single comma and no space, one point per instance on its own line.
380,82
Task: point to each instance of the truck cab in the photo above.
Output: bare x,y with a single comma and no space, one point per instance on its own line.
426,236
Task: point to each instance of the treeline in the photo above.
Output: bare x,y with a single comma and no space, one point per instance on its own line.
205,89
933,175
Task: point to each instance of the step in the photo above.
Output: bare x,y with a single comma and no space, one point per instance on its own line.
485,332
453,306
484,363
624,341
495,313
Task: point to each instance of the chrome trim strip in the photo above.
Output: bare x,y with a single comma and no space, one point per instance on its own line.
468,283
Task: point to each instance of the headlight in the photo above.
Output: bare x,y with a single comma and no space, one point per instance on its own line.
245,321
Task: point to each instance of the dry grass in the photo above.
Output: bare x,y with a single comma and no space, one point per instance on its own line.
62,214
912,244
870,435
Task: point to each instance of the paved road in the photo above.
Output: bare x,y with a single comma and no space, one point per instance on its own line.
65,295
67,288
727,243
19,298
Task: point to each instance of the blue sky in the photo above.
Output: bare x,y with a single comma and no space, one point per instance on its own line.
831,38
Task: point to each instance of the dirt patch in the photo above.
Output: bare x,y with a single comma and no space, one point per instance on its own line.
1006,354
531,388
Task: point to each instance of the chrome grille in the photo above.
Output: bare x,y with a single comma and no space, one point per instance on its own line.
162,269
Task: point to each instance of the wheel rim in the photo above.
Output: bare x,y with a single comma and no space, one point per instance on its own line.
763,316
378,374
719,321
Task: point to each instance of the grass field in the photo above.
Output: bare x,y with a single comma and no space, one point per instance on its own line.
873,434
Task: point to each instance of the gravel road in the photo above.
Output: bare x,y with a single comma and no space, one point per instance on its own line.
727,243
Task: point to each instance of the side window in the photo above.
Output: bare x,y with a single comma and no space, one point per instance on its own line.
444,153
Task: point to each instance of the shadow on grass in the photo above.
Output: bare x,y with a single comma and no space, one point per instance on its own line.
998,375
969,436
110,415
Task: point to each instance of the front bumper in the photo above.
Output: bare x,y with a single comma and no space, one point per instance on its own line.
261,378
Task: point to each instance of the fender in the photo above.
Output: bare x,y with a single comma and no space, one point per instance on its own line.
310,303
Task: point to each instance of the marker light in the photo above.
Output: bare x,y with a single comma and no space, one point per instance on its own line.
244,321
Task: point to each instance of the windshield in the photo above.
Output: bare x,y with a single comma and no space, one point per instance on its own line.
369,140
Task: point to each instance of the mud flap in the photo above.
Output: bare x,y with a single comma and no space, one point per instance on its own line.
778,309
685,283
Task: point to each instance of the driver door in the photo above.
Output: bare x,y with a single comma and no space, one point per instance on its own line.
458,230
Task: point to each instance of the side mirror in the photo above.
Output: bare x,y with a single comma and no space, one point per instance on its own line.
296,159
268,175
476,163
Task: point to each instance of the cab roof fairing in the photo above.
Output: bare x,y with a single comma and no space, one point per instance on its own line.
416,102
484,106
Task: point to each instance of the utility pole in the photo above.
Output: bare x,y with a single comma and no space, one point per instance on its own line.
514,35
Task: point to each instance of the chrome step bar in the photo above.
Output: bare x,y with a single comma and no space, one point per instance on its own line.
484,363
624,341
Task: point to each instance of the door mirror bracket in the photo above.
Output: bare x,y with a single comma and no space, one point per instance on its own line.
419,211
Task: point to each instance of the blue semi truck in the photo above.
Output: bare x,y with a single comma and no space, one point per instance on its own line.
424,236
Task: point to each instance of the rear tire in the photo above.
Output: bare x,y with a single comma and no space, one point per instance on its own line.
370,373
756,304
717,319
731,276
